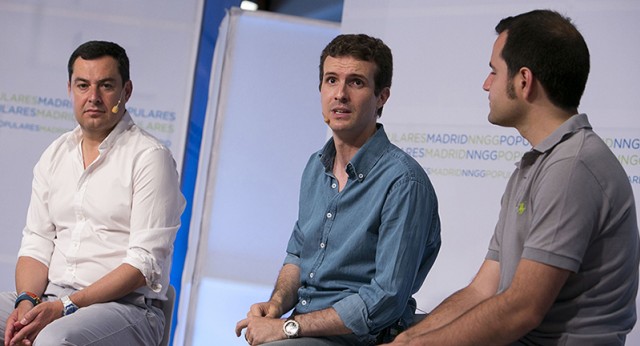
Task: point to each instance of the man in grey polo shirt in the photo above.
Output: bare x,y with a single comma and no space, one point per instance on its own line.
562,265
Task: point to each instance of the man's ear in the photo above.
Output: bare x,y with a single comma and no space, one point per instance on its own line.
384,96
526,83
128,90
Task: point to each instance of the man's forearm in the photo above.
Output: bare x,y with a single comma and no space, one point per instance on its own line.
322,323
505,317
483,287
317,323
115,285
450,309
495,321
285,293
31,275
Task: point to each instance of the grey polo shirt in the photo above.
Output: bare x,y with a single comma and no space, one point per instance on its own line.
569,204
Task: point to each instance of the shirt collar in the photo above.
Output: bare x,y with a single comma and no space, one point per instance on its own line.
364,160
568,128
125,123
564,131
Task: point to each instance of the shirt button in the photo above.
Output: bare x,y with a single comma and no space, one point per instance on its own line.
360,175
322,245
334,185
311,275
303,302
329,215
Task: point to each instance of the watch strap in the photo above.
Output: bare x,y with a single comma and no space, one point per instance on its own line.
68,307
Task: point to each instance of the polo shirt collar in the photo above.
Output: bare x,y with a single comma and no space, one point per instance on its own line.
566,130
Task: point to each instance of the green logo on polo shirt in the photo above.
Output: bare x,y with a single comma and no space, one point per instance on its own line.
521,208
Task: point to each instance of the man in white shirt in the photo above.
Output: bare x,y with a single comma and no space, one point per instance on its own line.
94,263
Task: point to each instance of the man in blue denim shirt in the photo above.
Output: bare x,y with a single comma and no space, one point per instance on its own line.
368,230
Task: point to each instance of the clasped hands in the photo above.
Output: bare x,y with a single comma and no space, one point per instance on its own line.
263,324
26,321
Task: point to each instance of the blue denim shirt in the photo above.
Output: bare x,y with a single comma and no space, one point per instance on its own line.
366,249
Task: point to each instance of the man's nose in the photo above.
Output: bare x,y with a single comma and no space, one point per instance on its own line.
341,92
94,96
487,83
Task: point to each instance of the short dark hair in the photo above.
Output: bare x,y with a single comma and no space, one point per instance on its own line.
96,49
365,48
549,45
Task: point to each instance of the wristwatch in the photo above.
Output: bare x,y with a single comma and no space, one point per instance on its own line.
68,306
291,328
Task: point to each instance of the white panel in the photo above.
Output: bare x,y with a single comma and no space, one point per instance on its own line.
263,122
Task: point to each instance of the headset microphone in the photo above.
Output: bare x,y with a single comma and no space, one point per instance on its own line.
115,108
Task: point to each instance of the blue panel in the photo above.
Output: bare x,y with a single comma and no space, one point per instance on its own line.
213,13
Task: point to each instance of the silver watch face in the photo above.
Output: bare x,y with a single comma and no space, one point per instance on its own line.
291,328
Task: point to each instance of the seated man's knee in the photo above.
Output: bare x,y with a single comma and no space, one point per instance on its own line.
51,336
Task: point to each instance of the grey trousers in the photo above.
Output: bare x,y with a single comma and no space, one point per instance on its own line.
343,340
131,320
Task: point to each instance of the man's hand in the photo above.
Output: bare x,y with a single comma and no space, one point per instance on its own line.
13,323
266,309
261,329
257,326
17,314
25,329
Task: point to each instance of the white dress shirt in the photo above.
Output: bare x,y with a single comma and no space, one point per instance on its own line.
123,208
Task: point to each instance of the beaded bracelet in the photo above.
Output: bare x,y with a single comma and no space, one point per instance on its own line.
32,297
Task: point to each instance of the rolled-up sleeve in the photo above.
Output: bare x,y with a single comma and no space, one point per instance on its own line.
39,232
294,246
408,243
157,204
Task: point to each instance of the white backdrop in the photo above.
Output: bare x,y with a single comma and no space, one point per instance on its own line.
37,38
438,110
